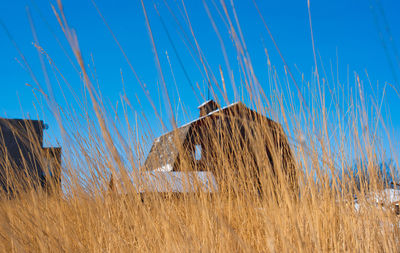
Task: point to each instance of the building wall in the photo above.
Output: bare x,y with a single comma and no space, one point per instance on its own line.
23,160
231,141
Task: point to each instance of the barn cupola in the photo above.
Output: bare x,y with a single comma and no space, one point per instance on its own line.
207,107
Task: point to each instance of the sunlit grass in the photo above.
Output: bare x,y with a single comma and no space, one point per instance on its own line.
327,130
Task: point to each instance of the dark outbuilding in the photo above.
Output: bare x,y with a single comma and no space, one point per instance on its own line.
24,162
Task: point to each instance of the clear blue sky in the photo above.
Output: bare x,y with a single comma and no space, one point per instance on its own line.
365,36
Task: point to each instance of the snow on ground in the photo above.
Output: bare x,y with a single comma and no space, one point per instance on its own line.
202,181
386,197
172,181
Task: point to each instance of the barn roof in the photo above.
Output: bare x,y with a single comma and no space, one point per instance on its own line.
213,113
165,149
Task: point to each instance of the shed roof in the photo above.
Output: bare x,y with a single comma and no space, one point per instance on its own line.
176,182
200,181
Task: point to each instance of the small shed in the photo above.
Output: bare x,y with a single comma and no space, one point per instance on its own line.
23,158
233,136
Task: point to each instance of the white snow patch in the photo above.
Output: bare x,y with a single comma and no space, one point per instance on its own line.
201,181
387,196
165,168
176,181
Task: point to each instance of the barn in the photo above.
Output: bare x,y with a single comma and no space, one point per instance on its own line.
231,137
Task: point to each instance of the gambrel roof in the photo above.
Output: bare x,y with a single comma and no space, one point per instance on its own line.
166,148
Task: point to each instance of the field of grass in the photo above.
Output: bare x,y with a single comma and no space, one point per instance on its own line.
326,130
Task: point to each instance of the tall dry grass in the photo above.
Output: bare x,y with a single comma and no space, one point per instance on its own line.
327,130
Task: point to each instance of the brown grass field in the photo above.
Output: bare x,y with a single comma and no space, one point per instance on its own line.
319,216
